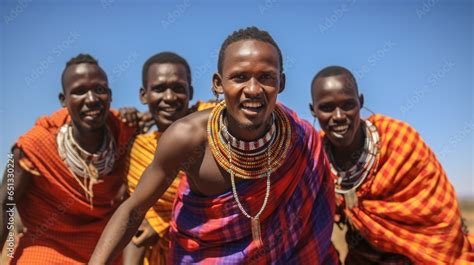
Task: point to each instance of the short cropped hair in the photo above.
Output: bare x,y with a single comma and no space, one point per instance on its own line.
165,57
333,71
249,33
80,58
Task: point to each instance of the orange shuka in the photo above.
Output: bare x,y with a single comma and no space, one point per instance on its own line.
62,228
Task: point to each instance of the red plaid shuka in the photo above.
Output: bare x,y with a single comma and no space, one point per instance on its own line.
296,225
61,226
407,207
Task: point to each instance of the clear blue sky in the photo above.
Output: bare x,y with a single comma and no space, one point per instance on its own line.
413,59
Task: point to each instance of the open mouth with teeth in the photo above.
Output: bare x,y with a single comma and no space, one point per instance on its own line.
339,130
92,114
252,107
168,111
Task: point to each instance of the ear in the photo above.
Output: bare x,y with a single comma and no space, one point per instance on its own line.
110,95
142,96
311,109
191,92
361,100
282,82
217,84
62,99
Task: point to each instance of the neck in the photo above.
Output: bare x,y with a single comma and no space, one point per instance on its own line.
91,141
346,156
161,128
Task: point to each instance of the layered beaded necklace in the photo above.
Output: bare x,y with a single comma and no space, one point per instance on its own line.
349,180
251,163
83,164
249,160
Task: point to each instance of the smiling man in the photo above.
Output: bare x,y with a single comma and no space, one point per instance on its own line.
166,90
390,187
252,192
68,174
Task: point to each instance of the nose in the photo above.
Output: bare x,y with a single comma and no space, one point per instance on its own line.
169,95
339,115
253,88
91,97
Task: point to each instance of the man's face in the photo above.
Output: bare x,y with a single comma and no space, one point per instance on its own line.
250,81
86,96
167,93
336,105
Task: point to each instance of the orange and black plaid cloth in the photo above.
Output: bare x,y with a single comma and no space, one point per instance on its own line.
407,206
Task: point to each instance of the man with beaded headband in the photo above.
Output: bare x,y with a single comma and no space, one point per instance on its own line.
68,175
390,188
257,188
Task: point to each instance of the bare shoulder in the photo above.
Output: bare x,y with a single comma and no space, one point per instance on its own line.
188,132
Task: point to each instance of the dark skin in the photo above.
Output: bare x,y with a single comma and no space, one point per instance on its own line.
336,105
184,146
167,94
87,97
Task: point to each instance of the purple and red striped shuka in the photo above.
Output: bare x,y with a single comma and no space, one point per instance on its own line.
296,225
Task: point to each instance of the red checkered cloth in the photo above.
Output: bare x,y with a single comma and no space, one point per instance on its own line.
61,226
408,206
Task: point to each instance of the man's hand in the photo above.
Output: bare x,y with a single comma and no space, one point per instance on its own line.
146,235
143,120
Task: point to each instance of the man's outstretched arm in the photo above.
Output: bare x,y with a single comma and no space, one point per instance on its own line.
154,182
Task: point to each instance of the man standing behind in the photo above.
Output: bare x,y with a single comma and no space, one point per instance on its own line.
67,171
391,189
166,90
256,189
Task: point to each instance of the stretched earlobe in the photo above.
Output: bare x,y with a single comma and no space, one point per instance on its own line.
214,92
